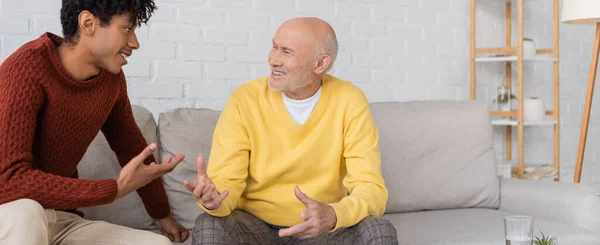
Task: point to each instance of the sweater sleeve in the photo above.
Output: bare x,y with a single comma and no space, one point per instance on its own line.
368,193
229,158
127,141
20,102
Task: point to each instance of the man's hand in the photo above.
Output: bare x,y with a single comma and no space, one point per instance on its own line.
203,189
172,229
318,218
137,174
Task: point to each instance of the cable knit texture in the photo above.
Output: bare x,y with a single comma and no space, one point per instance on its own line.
47,121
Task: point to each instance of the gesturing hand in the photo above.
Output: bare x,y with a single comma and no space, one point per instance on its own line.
318,219
137,174
203,189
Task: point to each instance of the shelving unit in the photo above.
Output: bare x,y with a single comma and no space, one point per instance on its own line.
510,54
507,122
514,58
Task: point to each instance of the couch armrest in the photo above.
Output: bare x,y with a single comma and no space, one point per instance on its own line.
573,204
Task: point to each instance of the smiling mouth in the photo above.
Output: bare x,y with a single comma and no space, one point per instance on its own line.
125,56
277,73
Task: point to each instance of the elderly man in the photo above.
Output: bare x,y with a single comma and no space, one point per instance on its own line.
295,155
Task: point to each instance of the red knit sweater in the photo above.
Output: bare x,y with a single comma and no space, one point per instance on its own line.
47,121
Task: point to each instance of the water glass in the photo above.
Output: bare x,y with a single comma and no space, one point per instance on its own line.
518,230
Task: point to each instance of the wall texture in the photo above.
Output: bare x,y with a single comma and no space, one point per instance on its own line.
195,52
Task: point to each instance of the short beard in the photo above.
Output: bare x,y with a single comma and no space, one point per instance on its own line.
276,89
299,82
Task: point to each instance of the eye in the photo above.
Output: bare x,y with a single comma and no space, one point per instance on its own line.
127,29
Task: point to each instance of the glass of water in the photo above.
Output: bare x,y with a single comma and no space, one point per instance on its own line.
518,230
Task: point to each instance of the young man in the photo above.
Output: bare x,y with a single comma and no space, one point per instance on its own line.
56,94
295,156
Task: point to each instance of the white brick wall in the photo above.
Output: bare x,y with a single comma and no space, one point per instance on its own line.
195,52
14,23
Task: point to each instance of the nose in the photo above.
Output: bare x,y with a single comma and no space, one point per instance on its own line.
274,60
133,42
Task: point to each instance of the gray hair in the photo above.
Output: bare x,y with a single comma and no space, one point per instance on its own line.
328,46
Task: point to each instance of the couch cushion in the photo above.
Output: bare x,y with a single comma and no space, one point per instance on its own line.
475,227
437,155
100,162
188,132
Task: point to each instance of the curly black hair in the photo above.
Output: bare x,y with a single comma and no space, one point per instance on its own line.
103,9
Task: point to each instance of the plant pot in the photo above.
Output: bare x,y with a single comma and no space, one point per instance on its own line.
534,109
504,106
529,48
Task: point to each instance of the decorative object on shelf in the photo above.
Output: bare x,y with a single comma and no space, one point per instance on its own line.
504,98
584,12
545,240
542,172
529,49
534,109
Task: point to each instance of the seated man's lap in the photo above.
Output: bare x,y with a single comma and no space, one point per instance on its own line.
370,230
237,228
23,221
29,223
243,228
70,228
376,230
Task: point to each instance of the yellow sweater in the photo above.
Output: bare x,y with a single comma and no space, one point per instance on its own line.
260,154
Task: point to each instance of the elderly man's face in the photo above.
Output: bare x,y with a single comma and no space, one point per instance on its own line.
291,60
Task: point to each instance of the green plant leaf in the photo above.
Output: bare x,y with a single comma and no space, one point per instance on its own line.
504,98
545,240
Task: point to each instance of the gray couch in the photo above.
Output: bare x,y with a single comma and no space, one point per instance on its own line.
438,164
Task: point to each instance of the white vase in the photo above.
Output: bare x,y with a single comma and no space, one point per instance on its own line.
534,110
529,48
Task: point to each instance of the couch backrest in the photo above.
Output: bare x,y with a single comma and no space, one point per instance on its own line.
437,155
188,132
100,162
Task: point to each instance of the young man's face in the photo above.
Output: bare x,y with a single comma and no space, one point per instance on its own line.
113,44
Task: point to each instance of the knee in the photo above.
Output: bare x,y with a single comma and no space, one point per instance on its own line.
209,230
23,221
162,240
204,220
23,212
150,238
377,229
23,217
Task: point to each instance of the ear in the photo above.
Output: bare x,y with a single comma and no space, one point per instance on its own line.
322,63
87,23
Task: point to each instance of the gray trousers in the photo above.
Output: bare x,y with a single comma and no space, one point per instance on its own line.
243,228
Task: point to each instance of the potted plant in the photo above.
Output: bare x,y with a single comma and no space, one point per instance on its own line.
504,99
529,48
545,240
